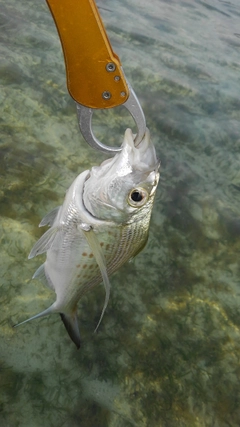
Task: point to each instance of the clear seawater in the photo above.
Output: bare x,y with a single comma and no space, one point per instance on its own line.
167,353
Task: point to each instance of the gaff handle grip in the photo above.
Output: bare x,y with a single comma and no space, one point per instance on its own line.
94,75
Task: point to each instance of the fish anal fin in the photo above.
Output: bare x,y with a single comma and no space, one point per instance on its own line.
71,325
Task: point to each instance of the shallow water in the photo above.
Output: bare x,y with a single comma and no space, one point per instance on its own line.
167,351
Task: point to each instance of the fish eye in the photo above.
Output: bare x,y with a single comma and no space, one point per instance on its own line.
137,197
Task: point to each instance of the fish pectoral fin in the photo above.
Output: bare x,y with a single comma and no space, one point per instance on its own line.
99,256
140,249
50,217
44,243
46,312
71,325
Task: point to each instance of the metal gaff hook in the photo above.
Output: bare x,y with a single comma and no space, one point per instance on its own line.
85,123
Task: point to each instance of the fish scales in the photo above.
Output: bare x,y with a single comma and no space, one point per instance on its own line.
115,257
103,222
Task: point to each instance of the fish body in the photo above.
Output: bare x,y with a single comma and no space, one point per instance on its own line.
103,222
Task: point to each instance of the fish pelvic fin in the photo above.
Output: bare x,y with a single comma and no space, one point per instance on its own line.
99,256
42,275
71,324
46,312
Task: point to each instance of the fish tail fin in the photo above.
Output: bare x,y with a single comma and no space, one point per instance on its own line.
46,312
71,324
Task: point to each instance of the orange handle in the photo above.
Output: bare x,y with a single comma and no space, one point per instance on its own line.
94,74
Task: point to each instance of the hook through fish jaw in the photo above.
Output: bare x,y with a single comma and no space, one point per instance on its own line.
85,123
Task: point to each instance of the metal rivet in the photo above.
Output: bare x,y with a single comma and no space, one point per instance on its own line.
106,95
123,94
110,67
117,78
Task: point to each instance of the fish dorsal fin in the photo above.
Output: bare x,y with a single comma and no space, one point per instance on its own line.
44,243
46,312
99,256
50,217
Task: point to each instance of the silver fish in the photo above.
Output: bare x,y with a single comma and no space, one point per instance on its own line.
103,222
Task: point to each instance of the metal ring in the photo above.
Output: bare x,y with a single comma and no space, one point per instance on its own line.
85,123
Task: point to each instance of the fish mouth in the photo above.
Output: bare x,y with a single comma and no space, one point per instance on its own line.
106,187
142,157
